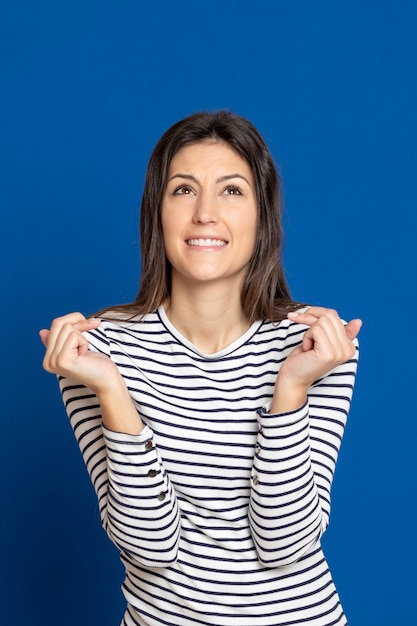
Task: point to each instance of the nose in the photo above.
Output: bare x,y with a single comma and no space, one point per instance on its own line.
205,210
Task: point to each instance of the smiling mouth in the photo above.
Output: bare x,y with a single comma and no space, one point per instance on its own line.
206,243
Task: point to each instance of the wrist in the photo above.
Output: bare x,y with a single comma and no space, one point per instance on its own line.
107,380
114,387
118,411
288,396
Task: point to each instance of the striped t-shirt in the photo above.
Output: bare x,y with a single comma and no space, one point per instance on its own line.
217,506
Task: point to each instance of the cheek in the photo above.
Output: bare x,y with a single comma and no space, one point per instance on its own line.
169,237
251,241
166,227
251,229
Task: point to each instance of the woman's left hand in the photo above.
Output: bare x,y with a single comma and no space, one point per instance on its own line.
327,343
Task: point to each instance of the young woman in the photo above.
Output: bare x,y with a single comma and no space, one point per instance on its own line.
210,411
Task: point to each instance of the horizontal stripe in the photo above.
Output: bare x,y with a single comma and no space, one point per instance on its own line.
219,520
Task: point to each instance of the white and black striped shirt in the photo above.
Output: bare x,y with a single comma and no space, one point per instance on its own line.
217,506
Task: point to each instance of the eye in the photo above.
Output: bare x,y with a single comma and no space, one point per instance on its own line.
183,190
232,190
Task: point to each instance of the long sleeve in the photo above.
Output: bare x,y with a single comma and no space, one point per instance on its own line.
138,505
293,469
216,493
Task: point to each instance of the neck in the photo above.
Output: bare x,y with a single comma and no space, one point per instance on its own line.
211,317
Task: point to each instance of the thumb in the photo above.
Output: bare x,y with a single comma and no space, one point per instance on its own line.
352,328
43,334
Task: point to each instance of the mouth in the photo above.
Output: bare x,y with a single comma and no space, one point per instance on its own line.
206,243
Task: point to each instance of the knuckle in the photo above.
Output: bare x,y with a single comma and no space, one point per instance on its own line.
79,317
47,365
60,362
69,318
56,322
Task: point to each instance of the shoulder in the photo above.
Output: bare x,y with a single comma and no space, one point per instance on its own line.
285,333
117,329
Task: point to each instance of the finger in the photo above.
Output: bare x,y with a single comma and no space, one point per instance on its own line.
338,336
327,318
43,334
352,328
60,358
59,322
56,342
303,317
319,311
308,343
344,332
315,312
78,327
329,341
76,320
321,338
68,330
75,345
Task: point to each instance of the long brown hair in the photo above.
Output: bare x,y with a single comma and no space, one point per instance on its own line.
265,293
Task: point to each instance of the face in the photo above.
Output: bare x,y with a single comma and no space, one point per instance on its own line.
209,214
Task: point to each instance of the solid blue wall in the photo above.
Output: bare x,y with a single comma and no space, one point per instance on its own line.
87,89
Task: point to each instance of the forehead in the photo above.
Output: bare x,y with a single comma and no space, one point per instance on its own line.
208,154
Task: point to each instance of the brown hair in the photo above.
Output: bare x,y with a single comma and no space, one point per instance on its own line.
265,293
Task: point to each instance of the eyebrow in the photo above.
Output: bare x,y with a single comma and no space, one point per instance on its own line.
218,180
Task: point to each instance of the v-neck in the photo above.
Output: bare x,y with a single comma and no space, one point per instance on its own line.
215,355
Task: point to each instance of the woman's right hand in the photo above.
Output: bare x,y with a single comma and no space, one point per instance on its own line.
67,354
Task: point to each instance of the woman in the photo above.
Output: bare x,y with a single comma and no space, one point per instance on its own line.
210,411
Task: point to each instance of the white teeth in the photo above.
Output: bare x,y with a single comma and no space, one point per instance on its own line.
206,242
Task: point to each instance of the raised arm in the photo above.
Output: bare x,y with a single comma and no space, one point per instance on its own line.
138,506
300,437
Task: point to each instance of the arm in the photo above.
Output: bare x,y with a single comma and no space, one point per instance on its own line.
138,507
297,452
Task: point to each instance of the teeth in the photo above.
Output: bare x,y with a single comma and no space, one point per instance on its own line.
206,242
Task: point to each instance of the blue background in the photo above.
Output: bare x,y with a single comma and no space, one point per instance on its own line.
87,88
